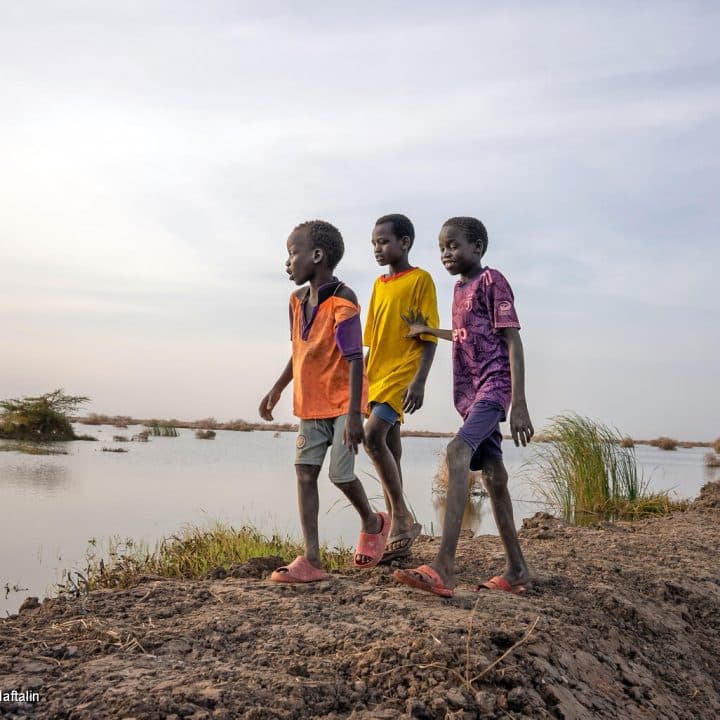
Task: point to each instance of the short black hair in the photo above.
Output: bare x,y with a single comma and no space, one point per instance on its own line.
401,225
474,230
327,237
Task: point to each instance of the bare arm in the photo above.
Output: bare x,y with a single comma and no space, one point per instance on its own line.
415,392
271,399
353,435
520,425
415,330
417,326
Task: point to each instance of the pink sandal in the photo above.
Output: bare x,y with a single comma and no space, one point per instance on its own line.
424,578
300,570
372,545
500,583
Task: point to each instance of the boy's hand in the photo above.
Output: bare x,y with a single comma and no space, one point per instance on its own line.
413,396
268,403
417,323
520,426
353,434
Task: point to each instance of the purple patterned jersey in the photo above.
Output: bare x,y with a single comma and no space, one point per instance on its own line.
481,363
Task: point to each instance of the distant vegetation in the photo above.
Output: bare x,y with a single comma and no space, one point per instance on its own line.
205,434
210,423
586,473
161,429
665,443
43,418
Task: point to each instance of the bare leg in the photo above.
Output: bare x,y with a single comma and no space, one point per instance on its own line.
458,460
355,493
309,505
516,571
371,522
377,446
393,442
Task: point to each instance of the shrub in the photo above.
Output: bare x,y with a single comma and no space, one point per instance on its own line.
43,418
627,442
205,434
716,445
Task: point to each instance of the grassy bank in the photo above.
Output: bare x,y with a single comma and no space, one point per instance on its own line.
194,553
587,471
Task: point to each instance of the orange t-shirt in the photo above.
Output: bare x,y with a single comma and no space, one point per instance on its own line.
321,374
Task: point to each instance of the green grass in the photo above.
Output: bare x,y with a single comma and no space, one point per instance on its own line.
191,554
585,472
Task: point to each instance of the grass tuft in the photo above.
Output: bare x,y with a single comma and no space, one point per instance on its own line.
712,460
585,472
440,481
191,554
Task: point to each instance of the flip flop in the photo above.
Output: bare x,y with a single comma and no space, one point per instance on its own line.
372,545
300,570
500,583
424,578
409,537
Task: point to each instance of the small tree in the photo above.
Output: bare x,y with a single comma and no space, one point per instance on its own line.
42,418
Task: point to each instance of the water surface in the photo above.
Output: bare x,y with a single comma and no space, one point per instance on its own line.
53,505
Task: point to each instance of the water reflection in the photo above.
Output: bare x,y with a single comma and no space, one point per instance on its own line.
44,477
472,515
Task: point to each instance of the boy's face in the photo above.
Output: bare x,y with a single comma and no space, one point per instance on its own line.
388,248
457,253
303,258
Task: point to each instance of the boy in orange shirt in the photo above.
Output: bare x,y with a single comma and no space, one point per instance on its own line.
397,366
326,368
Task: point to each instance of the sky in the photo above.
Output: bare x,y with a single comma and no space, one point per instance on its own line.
156,155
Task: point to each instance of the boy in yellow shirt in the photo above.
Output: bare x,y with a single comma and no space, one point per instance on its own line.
397,366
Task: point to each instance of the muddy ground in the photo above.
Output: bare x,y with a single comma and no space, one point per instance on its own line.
623,622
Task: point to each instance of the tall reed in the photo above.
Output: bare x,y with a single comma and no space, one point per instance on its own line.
585,471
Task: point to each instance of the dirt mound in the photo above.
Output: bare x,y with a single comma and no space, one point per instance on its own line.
623,621
709,496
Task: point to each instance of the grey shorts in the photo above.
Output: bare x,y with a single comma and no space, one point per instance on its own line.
313,440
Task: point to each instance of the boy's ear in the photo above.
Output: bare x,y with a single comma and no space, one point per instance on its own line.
405,242
318,255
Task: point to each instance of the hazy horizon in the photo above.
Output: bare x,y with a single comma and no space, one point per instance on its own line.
156,156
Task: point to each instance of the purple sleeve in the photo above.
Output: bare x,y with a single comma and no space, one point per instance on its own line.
348,338
501,302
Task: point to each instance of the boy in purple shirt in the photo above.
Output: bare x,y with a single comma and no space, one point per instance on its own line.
488,374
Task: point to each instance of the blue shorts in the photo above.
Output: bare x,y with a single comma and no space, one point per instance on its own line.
481,431
385,412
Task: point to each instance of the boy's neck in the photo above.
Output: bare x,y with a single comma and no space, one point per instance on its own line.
400,266
472,273
322,276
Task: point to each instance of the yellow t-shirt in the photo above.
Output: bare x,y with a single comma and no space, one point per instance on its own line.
394,358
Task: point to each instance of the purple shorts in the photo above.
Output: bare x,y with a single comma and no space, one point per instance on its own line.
481,431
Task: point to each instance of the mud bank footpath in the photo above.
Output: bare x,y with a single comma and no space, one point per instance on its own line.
622,622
